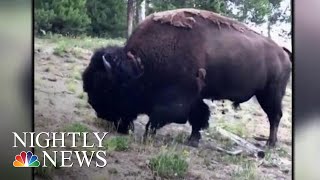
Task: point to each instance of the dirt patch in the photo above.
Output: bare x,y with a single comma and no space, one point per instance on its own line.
60,103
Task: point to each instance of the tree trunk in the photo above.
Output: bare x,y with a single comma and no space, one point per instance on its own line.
147,9
143,10
130,13
139,11
269,29
242,142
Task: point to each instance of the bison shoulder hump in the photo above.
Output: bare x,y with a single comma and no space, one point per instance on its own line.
185,18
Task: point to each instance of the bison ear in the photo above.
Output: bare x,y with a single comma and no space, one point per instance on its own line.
136,60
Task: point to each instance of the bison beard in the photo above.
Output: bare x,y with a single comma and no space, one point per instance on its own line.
162,73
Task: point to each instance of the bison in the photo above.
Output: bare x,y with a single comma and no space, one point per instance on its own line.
119,100
176,58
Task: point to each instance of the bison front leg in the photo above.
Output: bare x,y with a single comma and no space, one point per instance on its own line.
199,117
161,115
145,135
149,130
124,125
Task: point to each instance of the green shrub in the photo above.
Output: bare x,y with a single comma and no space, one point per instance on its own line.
67,17
77,127
169,164
118,143
108,17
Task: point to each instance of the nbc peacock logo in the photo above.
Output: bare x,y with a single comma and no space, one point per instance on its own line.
26,160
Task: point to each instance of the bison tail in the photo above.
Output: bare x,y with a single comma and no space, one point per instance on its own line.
288,52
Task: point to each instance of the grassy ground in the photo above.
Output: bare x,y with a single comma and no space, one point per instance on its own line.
61,105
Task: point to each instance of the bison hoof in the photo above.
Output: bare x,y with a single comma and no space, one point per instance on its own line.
131,126
149,135
146,139
271,144
193,143
123,128
123,131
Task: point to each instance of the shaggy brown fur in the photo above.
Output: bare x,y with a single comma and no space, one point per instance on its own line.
185,18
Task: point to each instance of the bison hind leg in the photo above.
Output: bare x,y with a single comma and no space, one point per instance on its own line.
149,131
124,125
270,100
273,110
236,106
198,119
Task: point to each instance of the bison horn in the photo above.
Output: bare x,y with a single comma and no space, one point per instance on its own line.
139,60
140,64
130,55
106,63
202,73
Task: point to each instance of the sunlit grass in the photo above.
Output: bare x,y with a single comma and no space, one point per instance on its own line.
64,43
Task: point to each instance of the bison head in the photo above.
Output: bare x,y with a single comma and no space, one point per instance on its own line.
105,80
101,85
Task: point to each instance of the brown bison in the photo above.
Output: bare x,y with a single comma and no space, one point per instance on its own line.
160,70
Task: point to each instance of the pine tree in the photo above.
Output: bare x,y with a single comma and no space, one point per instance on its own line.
108,17
62,16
